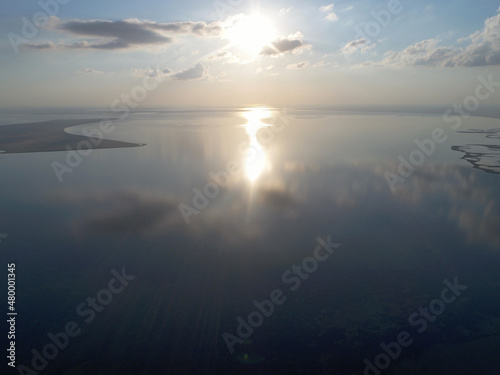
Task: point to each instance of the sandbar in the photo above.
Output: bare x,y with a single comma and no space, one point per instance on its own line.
51,136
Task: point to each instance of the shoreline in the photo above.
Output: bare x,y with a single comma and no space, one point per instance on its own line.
51,135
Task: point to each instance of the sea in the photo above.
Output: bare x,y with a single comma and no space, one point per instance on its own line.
253,240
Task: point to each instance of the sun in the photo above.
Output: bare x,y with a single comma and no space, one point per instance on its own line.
250,33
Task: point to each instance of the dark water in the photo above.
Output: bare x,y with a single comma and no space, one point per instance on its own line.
275,183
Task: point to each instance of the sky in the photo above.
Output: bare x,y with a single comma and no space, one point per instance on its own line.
152,53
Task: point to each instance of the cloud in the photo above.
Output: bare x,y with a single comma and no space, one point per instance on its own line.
281,45
424,53
220,55
122,34
326,8
284,11
151,72
225,56
355,44
126,34
300,65
89,71
483,50
194,73
360,44
46,45
320,64
331,16
221,76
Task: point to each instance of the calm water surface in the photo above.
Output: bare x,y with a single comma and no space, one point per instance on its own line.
259,187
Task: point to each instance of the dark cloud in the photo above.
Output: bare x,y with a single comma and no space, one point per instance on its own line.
356,43
194,73
283,45
199,28
123,34
46,45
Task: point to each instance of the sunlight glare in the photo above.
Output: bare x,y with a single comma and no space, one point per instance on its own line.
256,160
250,33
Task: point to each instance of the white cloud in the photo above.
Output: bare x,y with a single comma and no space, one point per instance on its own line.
326,8
320,64
331,16
221,55
483,49
226,57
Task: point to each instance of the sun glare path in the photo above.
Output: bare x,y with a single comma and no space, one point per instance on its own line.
256,160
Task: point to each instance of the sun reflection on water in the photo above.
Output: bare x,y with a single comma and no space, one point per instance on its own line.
256,158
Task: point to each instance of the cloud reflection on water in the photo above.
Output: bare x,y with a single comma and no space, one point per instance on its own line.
300,202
